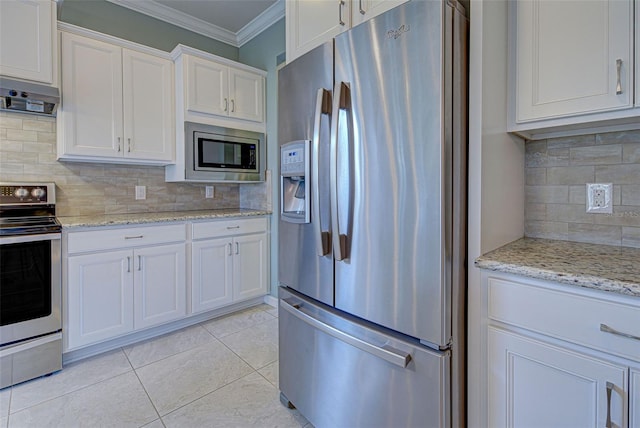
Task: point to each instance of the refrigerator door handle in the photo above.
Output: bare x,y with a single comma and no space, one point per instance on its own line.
323,106
387,353
340,102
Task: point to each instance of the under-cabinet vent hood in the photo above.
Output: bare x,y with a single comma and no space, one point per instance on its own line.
24,97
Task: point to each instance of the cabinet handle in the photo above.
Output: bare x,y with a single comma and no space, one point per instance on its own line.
134,237
118,144
607,329
233,106
128,264
226,104
139,262
233,227
340,5
362,11
237,248
619,70
229,248
609,390
129,145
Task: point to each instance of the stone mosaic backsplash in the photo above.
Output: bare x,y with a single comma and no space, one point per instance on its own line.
28,153
556,173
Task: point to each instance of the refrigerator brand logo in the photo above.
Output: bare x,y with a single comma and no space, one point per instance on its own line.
394,34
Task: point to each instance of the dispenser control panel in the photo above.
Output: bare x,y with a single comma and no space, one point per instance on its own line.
293,159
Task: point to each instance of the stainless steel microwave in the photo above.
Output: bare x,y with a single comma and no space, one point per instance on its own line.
215,153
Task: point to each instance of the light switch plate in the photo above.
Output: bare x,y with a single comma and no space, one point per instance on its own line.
208,192
141,192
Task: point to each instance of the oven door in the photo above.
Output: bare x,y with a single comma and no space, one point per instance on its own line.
30,286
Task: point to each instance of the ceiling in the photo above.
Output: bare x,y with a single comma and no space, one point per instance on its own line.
230,21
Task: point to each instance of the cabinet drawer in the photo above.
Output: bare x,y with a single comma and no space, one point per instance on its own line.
218,228
108,239
568,316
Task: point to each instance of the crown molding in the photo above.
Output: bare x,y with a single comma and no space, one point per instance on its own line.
274,13
164,13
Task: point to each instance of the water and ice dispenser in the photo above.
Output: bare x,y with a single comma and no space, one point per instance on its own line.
295,193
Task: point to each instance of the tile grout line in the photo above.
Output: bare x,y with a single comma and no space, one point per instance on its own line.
135,372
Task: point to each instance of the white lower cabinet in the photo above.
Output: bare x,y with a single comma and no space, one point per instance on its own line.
559,356
535,384
116,291
228,262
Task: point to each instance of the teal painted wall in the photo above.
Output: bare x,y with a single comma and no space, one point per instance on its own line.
117,21
262,52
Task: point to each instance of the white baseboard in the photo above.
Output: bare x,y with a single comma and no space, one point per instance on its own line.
271,300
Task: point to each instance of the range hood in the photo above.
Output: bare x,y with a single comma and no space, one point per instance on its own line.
25,97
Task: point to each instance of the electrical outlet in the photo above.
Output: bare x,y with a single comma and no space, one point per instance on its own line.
599,198
208,192
141,192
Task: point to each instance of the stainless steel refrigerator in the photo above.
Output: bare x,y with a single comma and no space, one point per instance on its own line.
372,238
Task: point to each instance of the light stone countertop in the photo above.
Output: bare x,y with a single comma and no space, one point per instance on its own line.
601,267
72,222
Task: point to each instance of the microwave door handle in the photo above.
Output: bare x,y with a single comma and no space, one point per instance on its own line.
323,106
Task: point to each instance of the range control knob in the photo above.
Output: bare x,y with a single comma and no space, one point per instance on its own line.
21,193
38,193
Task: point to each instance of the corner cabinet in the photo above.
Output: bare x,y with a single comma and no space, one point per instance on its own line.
28,48
549,361
122,280
572,66
229,262
310,23
117,104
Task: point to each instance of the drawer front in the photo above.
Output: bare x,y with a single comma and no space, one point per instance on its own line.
226,227
108,239
568,316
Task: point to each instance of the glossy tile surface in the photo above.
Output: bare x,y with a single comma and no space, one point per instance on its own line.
187,378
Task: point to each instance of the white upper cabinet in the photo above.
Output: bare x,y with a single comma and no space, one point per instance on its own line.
117,104
309,23
27,40
361,10
215,88
571,63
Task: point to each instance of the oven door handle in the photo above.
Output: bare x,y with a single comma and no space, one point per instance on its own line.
30,238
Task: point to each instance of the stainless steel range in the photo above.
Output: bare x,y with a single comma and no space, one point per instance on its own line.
30,282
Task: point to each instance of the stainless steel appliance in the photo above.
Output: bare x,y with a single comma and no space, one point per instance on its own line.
30,282
215,153
294,174
372,296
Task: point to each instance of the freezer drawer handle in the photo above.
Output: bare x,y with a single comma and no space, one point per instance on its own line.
607,329
388,353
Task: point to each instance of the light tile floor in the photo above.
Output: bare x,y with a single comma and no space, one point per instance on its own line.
220,373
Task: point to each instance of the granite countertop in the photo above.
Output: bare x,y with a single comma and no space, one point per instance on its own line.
601,267
155,217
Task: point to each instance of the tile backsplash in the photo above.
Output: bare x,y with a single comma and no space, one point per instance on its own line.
28,153
556,173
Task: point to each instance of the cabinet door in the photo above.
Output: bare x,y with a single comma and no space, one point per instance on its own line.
361,10
91,97
148,106
211,267
634,399
160,284
566,56
246,91
208,86
26,39
99,297
310,23
533,384
249,266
